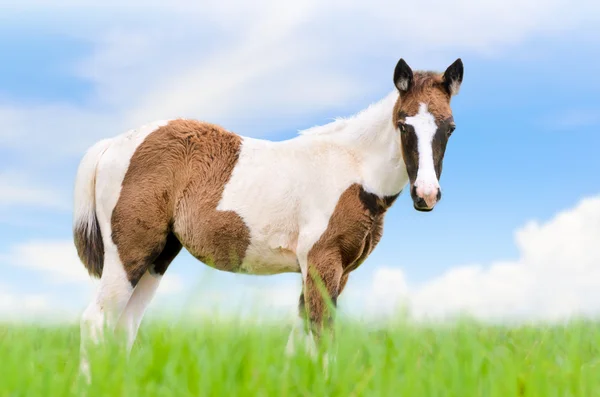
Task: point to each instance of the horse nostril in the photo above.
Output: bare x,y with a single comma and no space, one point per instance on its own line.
439,194
414,191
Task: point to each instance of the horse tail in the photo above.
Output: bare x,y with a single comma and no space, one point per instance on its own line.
86,230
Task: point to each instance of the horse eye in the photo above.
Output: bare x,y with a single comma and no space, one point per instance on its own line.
451,130
402,126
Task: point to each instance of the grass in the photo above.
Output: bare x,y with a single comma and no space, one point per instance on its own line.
228,358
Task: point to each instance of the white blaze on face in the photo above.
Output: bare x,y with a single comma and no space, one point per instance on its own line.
426,184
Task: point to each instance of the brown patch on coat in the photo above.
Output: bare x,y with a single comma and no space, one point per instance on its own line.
171,190
354,230
427,88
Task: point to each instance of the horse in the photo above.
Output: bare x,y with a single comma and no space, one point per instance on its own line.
313,204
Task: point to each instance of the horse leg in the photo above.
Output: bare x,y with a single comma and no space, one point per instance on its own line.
145,289
134,311
300,331
322,287
110,299
134,238
319,297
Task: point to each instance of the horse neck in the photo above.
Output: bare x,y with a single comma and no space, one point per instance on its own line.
372,138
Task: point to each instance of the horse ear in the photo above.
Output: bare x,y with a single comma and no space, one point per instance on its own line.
453,77
403,76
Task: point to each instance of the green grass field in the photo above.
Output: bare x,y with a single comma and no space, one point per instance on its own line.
225,358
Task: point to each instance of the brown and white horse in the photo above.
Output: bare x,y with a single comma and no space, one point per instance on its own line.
313,204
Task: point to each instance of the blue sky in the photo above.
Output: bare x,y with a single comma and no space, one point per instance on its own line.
525,148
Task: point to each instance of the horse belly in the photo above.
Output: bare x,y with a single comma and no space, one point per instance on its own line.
269,261
271,253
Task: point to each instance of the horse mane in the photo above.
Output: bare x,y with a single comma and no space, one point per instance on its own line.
364,117
422,80
336,125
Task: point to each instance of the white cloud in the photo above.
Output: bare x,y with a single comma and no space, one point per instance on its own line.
18,306
55,260
258,77
556,276
17,190
54,130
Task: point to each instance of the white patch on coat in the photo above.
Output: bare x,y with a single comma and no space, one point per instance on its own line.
287,191
425,128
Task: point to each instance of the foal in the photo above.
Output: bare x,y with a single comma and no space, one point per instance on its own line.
313,204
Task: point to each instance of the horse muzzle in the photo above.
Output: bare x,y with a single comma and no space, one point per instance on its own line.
424,200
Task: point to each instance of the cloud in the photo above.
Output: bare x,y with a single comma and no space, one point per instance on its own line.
16,306
556,276
17,190
255,79
54,130
54,260
57,262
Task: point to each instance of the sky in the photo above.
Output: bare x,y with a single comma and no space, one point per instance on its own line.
514,238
